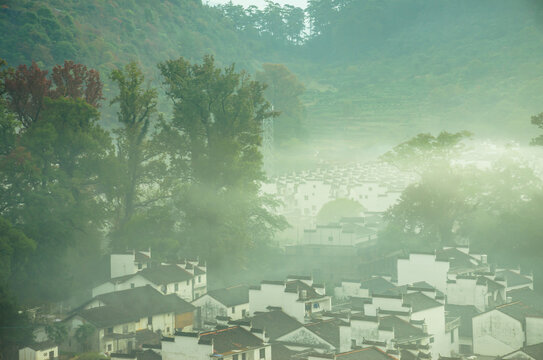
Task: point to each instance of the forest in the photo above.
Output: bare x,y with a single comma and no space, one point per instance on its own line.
128,124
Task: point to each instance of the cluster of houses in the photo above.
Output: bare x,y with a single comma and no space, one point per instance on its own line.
375,185
445,304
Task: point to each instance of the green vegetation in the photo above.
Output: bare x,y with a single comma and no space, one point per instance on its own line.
334,210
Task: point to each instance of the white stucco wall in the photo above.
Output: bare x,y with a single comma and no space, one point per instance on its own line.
31,354
495,334
467,292
185,348
275,295
364,329
423,267
534,330
123,264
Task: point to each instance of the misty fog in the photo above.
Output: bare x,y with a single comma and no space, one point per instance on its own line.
239,180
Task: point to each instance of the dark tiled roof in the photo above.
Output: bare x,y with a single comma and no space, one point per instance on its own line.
514,279
297,286
148,355
281,352
276,323
535,351
407,355
137,303
230,339
527,296
466,313
231,296
369,353
377,285
420,302
43,345
327,330
107,316
519,311
457,259
402,329
165,274
198,271
147,337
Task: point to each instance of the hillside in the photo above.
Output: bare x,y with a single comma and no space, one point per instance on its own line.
376,72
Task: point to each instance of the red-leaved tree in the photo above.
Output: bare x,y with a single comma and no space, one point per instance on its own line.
27,86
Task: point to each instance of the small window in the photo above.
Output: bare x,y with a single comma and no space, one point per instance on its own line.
176,287
132,285
243,312
150,320
168,329
188,282
330,238
233,309
452,336
199,279
235,357
108,347
263,353
244,356
109,330
140,266
44,355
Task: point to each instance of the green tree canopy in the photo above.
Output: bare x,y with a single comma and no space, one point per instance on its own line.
334,210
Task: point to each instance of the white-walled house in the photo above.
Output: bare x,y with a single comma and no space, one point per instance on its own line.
298,297
324,336
168,279
46,350
506,328
231,302
484,292
436,268
515,279
232,343
364,288
128,263
117,317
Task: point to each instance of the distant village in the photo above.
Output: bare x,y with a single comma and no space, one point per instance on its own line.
336,299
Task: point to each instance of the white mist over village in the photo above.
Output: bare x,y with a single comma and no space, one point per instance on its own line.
261,180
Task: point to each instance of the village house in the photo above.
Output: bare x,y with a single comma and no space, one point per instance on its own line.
515,279
484,291
116,318
507,328
324,336
129,262
298,297
436,268
231,343
231,303
187,279
45,350
465,331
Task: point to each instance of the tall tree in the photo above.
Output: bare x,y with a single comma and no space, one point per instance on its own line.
51,170
283,91
218,114
137,106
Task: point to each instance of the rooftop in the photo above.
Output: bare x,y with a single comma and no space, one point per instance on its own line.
231,296
231,339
